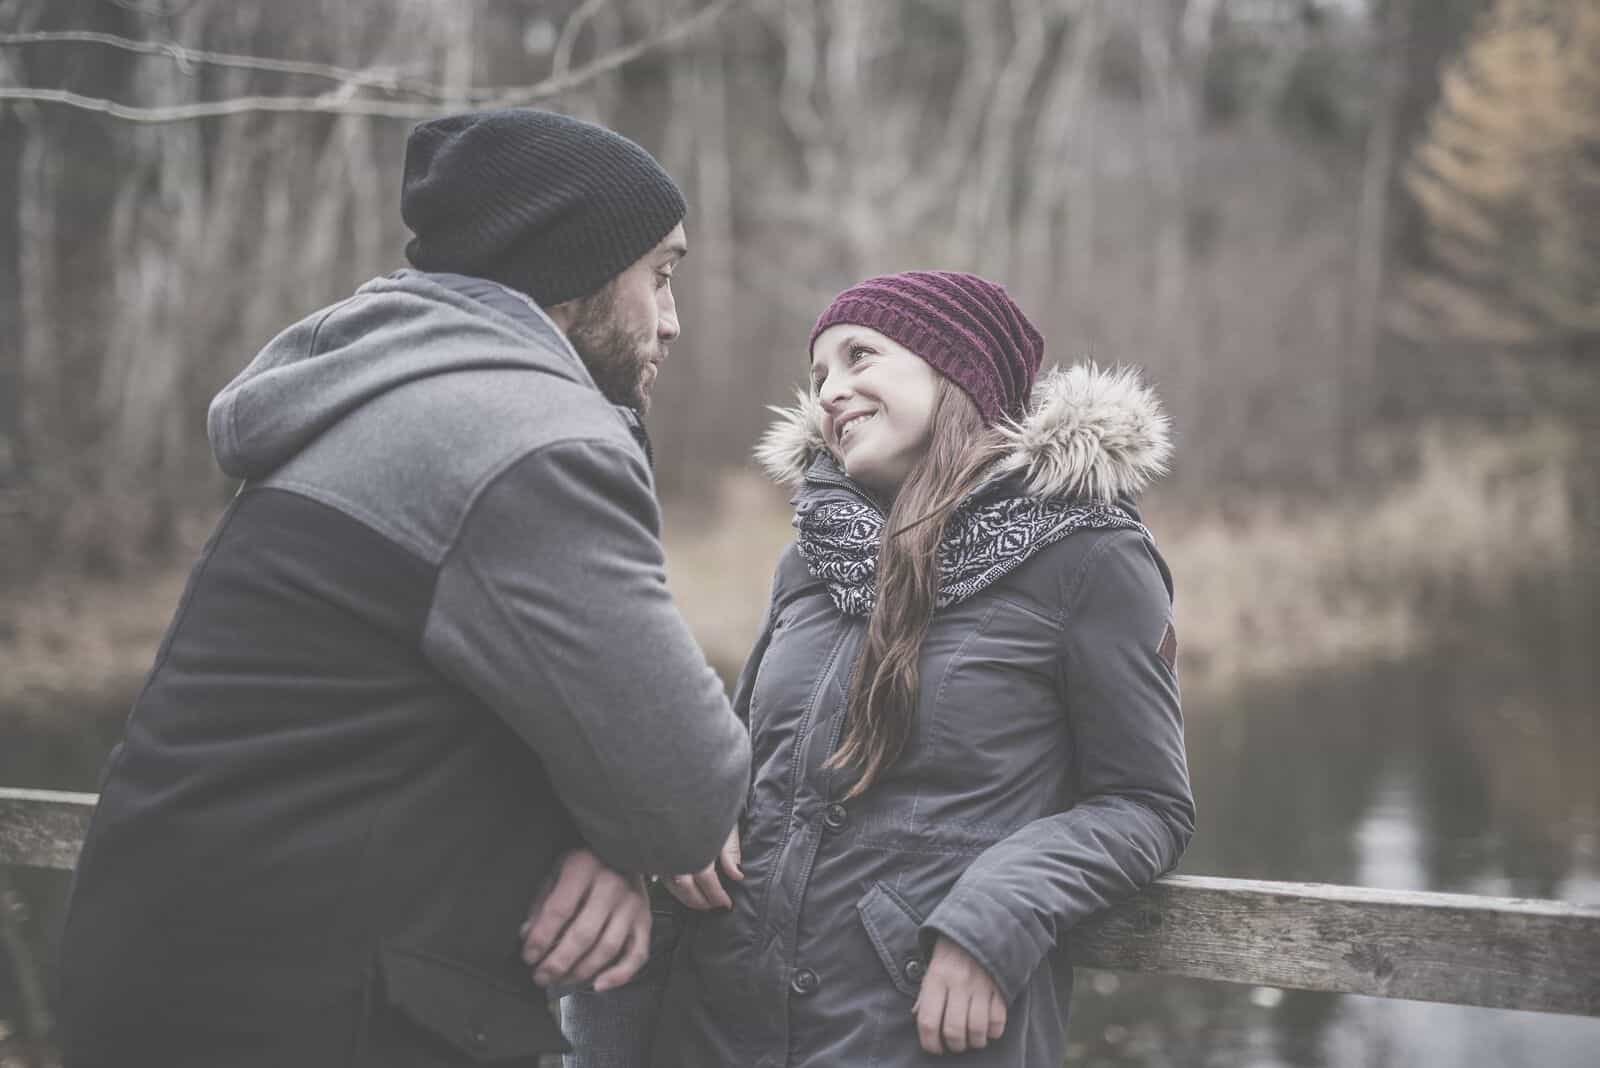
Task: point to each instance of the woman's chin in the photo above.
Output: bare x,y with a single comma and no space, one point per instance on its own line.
871,477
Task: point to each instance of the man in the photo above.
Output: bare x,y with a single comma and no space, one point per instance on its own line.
427,657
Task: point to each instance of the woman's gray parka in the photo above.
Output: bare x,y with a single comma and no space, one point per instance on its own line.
1044,779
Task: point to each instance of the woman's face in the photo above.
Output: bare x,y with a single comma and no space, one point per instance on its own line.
877,403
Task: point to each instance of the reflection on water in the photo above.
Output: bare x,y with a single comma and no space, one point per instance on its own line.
1470,769
1390,852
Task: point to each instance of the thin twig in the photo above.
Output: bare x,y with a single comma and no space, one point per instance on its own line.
343,102
606,64
377,78
327,105
575,23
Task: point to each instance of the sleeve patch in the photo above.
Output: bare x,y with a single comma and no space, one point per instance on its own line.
1168,650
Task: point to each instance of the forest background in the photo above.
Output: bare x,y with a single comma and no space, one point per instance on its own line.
1354,244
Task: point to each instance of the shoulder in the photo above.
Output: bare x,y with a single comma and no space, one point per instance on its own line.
792,578
1116,561
415,462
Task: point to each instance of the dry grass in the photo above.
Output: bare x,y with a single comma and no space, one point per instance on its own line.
65,639
720,562
1263,592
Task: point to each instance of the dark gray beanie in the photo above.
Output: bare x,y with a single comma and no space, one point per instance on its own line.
549,205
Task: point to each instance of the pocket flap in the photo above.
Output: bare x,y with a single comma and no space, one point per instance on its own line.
471,1012
892,925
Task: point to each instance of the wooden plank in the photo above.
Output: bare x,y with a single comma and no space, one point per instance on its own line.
43,828
1504,953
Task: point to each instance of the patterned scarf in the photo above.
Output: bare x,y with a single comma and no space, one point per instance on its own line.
839,541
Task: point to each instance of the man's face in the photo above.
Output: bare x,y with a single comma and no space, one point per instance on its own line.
622,331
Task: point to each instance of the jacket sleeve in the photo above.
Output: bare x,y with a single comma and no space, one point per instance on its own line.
552,607
1133,814
744,689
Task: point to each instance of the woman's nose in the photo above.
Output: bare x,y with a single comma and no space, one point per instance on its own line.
833,392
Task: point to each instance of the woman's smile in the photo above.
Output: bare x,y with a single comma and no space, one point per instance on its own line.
852,423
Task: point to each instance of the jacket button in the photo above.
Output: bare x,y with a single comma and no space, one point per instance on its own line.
805,982
836,817
913,970
478,1039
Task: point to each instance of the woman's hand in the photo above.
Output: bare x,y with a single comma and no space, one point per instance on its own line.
703,890
959,1007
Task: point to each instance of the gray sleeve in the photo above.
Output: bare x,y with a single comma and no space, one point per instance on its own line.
552,607
1134,813
744,689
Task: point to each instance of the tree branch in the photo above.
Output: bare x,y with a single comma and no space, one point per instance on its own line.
568,40
343,101
187,58
178,7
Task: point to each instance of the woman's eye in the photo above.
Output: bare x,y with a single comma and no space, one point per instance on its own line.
858,353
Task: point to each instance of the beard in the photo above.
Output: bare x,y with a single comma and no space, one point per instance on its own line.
618,361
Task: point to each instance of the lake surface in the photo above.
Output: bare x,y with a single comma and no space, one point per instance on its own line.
1469,768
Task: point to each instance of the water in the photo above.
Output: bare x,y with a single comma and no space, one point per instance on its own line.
1467,769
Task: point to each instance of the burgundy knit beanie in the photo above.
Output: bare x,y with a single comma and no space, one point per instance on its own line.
967,327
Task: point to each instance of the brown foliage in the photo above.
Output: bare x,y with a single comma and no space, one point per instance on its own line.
1508,181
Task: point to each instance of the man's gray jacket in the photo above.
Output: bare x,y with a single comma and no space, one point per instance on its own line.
428,648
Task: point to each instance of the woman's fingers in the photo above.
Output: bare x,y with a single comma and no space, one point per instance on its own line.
731,859
683,888
930,1016
997,1015
702,891
710,885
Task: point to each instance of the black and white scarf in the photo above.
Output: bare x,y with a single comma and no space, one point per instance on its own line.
839,541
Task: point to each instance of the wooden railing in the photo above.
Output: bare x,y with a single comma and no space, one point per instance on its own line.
1503,953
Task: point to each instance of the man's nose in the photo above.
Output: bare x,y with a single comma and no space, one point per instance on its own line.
667,324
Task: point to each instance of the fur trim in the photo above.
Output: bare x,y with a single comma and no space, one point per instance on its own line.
1089,433
790,443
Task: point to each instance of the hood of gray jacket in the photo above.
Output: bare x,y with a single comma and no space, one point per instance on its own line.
412,326
1089,433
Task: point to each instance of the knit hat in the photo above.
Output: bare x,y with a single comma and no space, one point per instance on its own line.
549,205
967,327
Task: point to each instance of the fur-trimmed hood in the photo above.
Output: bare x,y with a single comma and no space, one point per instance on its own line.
1089,434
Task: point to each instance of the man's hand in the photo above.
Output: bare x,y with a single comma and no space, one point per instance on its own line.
703,890
594,923
959,1007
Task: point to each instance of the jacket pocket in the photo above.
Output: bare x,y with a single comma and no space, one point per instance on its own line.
892,926
474,1015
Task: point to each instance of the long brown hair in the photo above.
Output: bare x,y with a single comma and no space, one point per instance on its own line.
883,688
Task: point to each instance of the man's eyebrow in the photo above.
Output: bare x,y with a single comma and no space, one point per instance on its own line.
677,250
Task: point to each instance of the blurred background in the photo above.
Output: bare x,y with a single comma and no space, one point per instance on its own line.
1355,245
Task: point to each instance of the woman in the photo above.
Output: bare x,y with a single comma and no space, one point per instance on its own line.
964,715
